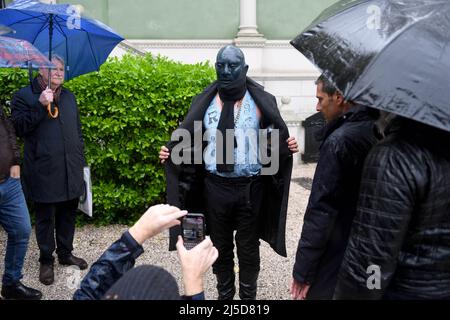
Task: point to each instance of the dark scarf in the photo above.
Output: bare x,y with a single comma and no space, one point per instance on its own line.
43,85
229,94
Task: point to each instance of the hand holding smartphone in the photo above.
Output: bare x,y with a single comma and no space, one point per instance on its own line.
193,229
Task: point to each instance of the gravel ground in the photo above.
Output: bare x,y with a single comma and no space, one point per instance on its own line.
90,242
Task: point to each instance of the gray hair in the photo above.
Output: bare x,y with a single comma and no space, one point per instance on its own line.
56,57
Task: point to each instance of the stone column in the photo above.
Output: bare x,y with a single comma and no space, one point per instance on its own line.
248,29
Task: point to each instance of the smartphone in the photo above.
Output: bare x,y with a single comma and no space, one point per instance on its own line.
193,229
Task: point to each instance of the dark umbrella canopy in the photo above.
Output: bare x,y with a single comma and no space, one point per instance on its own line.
393,55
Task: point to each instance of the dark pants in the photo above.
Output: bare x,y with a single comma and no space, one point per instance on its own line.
234,204
59,216
15,219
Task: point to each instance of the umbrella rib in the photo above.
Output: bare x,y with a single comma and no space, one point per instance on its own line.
31,17
59,26
67,40
41,17
40,30
92,51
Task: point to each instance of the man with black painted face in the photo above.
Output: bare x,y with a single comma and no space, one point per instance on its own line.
230,186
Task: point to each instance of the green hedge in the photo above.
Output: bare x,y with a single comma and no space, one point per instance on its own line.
128,110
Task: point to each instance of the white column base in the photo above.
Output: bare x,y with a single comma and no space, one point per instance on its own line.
257,41
249,31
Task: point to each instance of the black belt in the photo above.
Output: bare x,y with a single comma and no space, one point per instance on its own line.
247,181
3,179
232,180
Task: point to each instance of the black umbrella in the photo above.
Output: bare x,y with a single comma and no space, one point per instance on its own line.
392,55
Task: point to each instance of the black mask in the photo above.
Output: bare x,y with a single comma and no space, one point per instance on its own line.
229,65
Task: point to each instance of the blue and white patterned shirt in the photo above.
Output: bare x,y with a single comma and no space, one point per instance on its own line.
246,158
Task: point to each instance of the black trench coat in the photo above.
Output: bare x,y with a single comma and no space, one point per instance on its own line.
332,203
54,148
185,182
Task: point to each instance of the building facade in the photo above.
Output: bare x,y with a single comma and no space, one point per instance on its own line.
192,31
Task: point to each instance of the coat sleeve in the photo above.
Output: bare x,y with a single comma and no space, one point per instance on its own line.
13,141
385,205
110,267
26,117
322,210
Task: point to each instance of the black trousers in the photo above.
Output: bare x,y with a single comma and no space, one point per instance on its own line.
55,216
234,204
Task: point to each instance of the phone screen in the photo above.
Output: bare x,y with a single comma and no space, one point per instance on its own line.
193,227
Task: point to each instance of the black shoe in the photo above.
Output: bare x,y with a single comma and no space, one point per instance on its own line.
46,274
18,291
73,261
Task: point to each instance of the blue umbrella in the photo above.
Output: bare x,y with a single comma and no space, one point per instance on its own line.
84,43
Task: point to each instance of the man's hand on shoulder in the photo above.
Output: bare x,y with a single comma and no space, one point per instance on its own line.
292,144
164,154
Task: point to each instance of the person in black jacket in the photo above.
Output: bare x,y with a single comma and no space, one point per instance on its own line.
14,217
399,246
231,184
112,276
347,139
53,164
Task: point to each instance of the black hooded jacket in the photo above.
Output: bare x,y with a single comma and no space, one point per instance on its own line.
332,203
402,225
185,181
